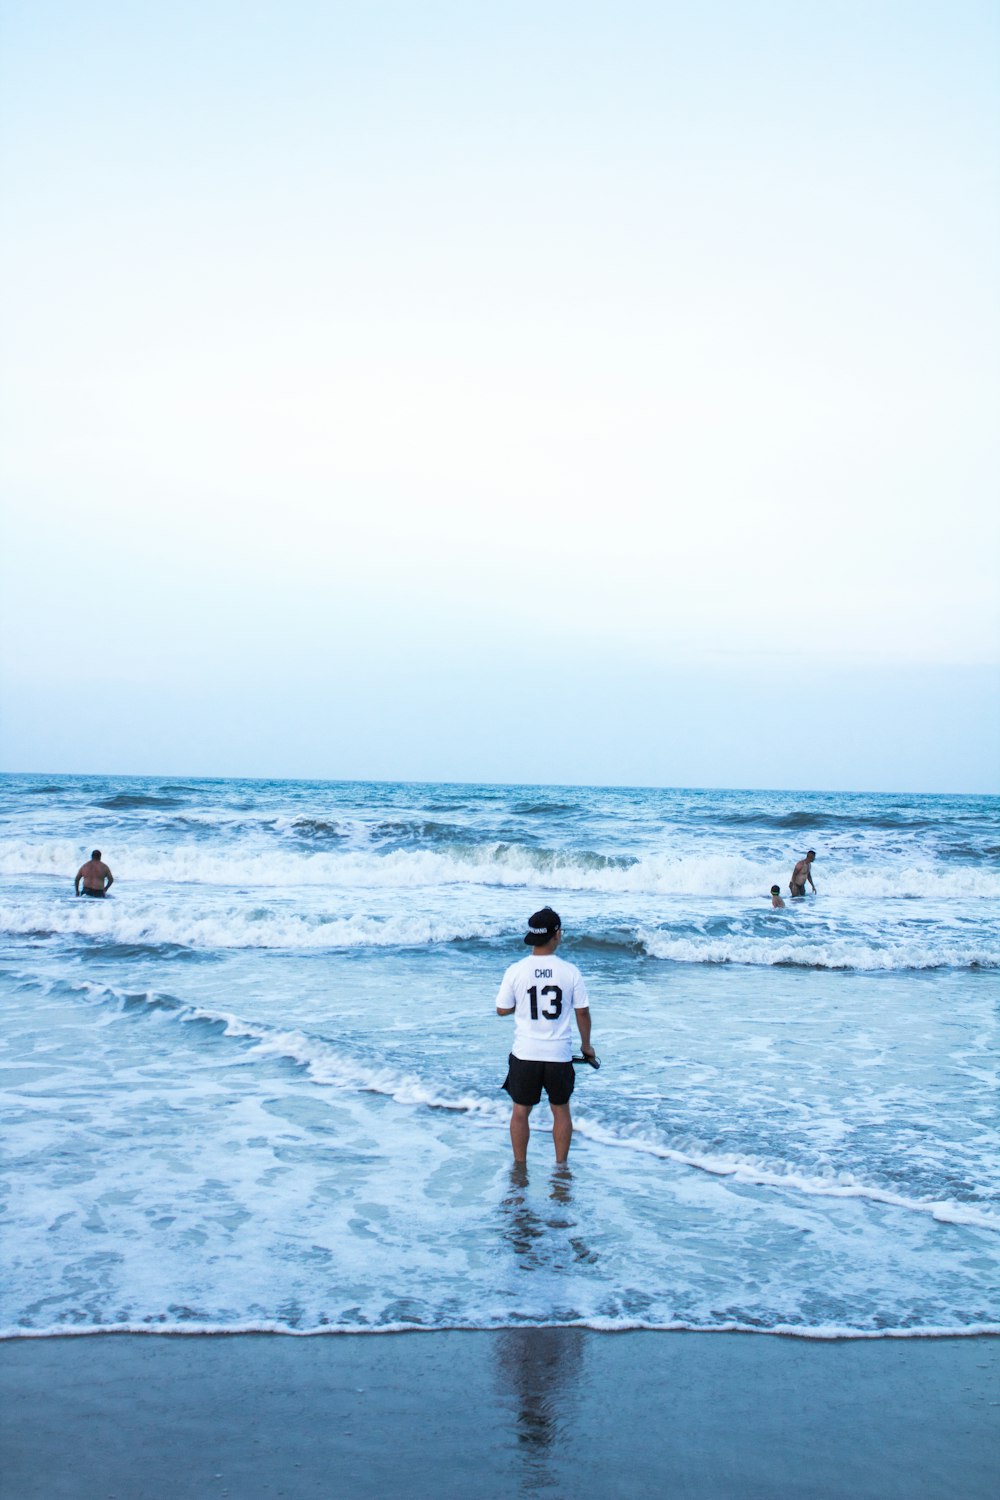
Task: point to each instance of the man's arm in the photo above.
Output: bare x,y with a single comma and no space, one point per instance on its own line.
583,1026
76,883
809,877
110,877
506,994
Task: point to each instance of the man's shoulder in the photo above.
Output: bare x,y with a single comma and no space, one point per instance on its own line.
569,969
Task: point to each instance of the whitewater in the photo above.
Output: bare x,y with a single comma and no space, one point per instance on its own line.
258,1086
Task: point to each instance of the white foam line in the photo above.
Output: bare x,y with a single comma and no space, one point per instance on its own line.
813,954
143,925
325,1066
825,1333
944,1211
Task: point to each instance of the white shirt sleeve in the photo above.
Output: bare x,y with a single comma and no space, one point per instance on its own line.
581,1000
506,999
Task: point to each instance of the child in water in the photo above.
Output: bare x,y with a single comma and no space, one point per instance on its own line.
776,896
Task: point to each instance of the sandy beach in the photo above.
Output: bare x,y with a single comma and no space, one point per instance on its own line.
560,1411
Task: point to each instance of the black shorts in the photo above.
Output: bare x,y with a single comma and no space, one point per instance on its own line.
526,1079
88,892
797,890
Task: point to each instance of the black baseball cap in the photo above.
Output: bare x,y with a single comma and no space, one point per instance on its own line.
541,927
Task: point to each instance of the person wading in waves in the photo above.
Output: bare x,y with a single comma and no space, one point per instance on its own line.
802,873
97,878
542,993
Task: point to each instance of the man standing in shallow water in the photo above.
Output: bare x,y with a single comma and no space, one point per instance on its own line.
97,878
802,873
542,992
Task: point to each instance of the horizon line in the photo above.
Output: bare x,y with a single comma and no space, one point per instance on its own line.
600,786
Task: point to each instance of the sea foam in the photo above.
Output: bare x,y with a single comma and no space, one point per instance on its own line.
499,864
331,1066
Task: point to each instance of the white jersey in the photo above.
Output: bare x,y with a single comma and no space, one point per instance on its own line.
543,990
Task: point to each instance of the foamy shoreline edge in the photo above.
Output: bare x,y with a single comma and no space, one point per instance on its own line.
819,1335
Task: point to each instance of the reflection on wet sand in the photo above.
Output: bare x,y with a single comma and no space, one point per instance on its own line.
539,1368
538,1372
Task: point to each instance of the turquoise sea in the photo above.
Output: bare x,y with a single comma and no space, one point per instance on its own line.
258,1087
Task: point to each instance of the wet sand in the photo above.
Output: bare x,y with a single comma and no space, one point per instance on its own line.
556,1412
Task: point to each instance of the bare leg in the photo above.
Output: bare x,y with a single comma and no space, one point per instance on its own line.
562,1130
520,1130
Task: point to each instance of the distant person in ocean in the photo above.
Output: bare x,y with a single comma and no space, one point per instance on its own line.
802,873
543,992
776,900
97,878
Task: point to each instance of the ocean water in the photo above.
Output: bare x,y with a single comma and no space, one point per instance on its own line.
258,1087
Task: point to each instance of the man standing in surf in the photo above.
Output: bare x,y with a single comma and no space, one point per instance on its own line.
97,878
543,992
802,873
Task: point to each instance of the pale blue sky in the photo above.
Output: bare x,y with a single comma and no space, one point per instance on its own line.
364,363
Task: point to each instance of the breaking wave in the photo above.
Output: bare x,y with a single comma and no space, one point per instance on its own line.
131,931
500,864
141,925
830,953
